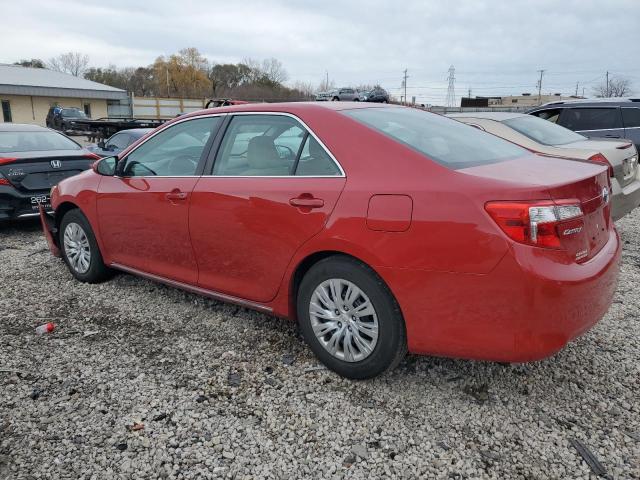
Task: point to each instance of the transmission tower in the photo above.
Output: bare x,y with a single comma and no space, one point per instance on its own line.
451,91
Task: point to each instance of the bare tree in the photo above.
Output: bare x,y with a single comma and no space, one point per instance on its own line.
617,87
74,63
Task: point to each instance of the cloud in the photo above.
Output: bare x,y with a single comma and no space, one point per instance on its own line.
497,47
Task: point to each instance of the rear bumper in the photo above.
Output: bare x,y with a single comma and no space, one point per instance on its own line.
15,204
526,309
624,200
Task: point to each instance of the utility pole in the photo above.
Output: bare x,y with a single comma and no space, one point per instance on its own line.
327,81
608,93
469,94
167,70
404,84
540,87
577,88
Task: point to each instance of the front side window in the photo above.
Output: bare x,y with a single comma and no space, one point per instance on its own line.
448,142
631,117
38,141
173,152
591,118
542,131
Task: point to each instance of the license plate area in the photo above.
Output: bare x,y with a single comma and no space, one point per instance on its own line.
44,200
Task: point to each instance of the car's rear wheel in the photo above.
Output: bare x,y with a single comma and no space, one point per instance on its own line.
80,248
335,99
350,319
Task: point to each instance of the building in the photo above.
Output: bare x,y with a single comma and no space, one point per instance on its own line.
526,100
27,94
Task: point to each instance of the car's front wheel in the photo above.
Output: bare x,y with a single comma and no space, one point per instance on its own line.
350,319
80,248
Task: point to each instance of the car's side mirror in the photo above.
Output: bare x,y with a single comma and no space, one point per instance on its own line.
101,144
105,166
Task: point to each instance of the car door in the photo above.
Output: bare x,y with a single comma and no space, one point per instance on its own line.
143,210
593,122
273,186
631,120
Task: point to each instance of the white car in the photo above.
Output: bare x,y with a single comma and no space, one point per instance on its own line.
548,138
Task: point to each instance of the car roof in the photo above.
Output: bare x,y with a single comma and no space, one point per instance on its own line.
21,127
625,101
497,116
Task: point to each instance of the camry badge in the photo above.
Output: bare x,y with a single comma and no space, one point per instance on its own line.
605,195
56,163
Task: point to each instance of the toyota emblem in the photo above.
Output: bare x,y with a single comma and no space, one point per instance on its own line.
56,163
605,195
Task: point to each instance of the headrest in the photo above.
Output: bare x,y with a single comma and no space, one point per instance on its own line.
262,153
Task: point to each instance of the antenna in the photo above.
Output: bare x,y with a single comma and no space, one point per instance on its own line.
451,90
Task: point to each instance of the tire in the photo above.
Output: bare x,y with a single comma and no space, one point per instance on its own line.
356,99
335,99
76,234
385,351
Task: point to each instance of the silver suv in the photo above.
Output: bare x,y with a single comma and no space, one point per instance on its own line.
339,95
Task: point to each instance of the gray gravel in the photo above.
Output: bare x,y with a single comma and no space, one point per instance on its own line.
177,386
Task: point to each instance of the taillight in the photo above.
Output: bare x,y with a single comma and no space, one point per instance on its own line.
599,158
535,222
5,160
3,181
92,156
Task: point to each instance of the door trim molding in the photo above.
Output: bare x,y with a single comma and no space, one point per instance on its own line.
193,289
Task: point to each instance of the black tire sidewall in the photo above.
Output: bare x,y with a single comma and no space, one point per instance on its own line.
97,270
391,337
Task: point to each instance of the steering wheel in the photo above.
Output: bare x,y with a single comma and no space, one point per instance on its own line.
182,164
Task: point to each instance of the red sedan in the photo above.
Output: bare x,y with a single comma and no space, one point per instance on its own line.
381,229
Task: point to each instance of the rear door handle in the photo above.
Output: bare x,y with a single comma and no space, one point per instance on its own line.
612,136
307,202
176,195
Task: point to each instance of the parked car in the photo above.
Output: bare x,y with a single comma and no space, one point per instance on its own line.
547,138
339,95
445,240
60,118
118,142
601,118
32,160
377,95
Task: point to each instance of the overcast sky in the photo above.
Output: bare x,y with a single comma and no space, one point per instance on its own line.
496,46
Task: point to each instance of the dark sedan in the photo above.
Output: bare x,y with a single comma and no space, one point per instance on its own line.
117,142
32,160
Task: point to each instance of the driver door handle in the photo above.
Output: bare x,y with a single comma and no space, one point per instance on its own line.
176,195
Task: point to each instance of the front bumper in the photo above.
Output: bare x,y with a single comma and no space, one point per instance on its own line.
624,200
15,204
50,231
527,308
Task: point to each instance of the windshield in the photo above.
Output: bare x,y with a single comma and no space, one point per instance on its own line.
448,142
543,131
35,142
72,112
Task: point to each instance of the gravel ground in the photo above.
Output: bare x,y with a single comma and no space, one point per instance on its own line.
145,381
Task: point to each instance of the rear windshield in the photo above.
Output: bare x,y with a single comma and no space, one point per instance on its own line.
543,131
72,112
35,142
448,142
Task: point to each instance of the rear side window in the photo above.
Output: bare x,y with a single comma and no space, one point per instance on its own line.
448,142
542,131
590,118
549,115
35,142
631,117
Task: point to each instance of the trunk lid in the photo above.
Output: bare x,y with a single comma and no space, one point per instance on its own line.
32,172
558,181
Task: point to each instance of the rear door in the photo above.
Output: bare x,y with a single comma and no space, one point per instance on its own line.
593,122
143,211
631,121
273,186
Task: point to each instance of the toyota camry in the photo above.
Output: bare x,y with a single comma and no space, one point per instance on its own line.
379,229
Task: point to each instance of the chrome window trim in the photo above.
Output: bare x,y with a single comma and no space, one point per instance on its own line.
283,114
311,132
598,129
